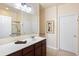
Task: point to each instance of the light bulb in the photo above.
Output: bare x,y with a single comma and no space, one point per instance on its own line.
18,5
6,8
28,10
23,7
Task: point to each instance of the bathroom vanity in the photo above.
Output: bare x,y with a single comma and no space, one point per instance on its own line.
37,49
33,47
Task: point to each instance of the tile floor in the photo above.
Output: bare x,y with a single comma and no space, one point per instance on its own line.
53,52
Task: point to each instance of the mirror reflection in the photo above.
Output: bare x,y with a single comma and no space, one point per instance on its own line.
17,19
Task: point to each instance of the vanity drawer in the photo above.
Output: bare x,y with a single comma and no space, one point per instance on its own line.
28,50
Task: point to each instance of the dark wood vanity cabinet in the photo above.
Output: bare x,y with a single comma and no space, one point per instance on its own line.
28,51
44,48
17,53
40,48
37,49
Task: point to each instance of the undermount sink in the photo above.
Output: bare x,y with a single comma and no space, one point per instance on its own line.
20,42
24,41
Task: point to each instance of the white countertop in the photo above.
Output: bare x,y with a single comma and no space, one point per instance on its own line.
11,47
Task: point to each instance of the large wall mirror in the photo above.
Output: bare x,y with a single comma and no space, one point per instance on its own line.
19,20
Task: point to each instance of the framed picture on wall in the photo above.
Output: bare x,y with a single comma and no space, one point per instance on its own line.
50,26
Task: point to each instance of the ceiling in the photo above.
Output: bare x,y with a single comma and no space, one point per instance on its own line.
46,5
11,7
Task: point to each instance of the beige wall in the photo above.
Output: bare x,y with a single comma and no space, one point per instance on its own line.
67,9
42,21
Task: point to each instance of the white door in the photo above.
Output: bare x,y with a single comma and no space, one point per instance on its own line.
68,32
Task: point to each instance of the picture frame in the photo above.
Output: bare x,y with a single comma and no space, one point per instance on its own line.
50,26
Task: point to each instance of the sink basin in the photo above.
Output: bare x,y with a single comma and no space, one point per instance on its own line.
21,42
25,40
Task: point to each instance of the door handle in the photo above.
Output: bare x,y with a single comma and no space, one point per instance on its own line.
75,36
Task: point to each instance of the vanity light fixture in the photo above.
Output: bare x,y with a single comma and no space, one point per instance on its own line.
18,6
24,7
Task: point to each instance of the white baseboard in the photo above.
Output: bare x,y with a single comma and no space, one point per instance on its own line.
52,47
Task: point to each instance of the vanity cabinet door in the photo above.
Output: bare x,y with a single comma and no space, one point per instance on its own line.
44,48
28,51
38,49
